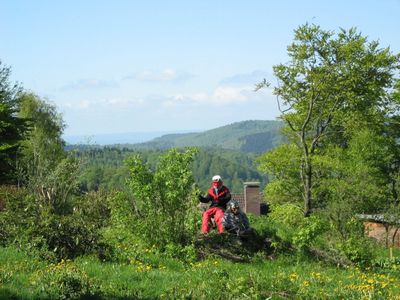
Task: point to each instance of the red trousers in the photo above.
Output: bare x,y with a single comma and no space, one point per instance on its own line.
215,212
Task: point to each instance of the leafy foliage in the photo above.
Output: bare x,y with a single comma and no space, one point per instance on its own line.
30,225
12,127
333,86
282,164
104,168
293,229
165,199
44,166
339,103
63,280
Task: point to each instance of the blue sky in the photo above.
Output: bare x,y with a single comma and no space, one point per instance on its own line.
142,66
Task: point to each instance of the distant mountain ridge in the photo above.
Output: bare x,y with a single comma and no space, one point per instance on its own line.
247,136
115,138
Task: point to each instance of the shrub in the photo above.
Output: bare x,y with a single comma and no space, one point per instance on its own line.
118,239
70,235
19,215
356,246
165,199
63,280
292,228
119,244
35,227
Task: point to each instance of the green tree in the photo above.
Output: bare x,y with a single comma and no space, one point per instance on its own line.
332,86
354,180
282,163
12,127
164,198
45,167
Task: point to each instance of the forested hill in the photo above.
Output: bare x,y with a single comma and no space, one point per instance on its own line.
246,136
105,168
238,144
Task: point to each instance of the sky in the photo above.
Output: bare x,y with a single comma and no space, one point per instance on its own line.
167,66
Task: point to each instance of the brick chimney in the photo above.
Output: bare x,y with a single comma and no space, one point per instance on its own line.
252,197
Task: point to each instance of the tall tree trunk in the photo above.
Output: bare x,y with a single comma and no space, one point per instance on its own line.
307,181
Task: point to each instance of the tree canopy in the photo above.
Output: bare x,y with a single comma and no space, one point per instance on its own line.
333,87
12,127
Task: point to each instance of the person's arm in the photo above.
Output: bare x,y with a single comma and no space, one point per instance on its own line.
205,199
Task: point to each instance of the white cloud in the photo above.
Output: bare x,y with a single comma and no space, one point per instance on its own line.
251,78
166,75
113,103
88,84
222,95
228,94
78,105
180,111
122,102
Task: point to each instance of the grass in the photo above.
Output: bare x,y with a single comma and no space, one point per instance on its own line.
156,277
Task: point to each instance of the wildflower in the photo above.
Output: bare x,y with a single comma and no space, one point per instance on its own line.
293,276
316,275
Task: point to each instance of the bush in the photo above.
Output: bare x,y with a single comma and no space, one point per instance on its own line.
118,245
293,229
165,200
69,236
19,215
63,280
358,251
118,239
356,246
76,233
34,227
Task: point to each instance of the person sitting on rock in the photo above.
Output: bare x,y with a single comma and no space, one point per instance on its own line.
219,195
235,220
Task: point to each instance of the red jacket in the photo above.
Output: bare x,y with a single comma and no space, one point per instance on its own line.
219,199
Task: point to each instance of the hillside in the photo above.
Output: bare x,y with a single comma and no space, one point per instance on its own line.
238,145
246,136
104,168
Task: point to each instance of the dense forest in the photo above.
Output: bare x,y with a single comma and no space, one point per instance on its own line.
104,167
117,222
230,151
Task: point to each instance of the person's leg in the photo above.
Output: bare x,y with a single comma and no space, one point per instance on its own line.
205,226
219,214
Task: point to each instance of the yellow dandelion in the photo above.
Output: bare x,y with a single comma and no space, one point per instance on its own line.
293,276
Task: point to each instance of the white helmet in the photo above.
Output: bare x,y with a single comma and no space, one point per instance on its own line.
216,178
